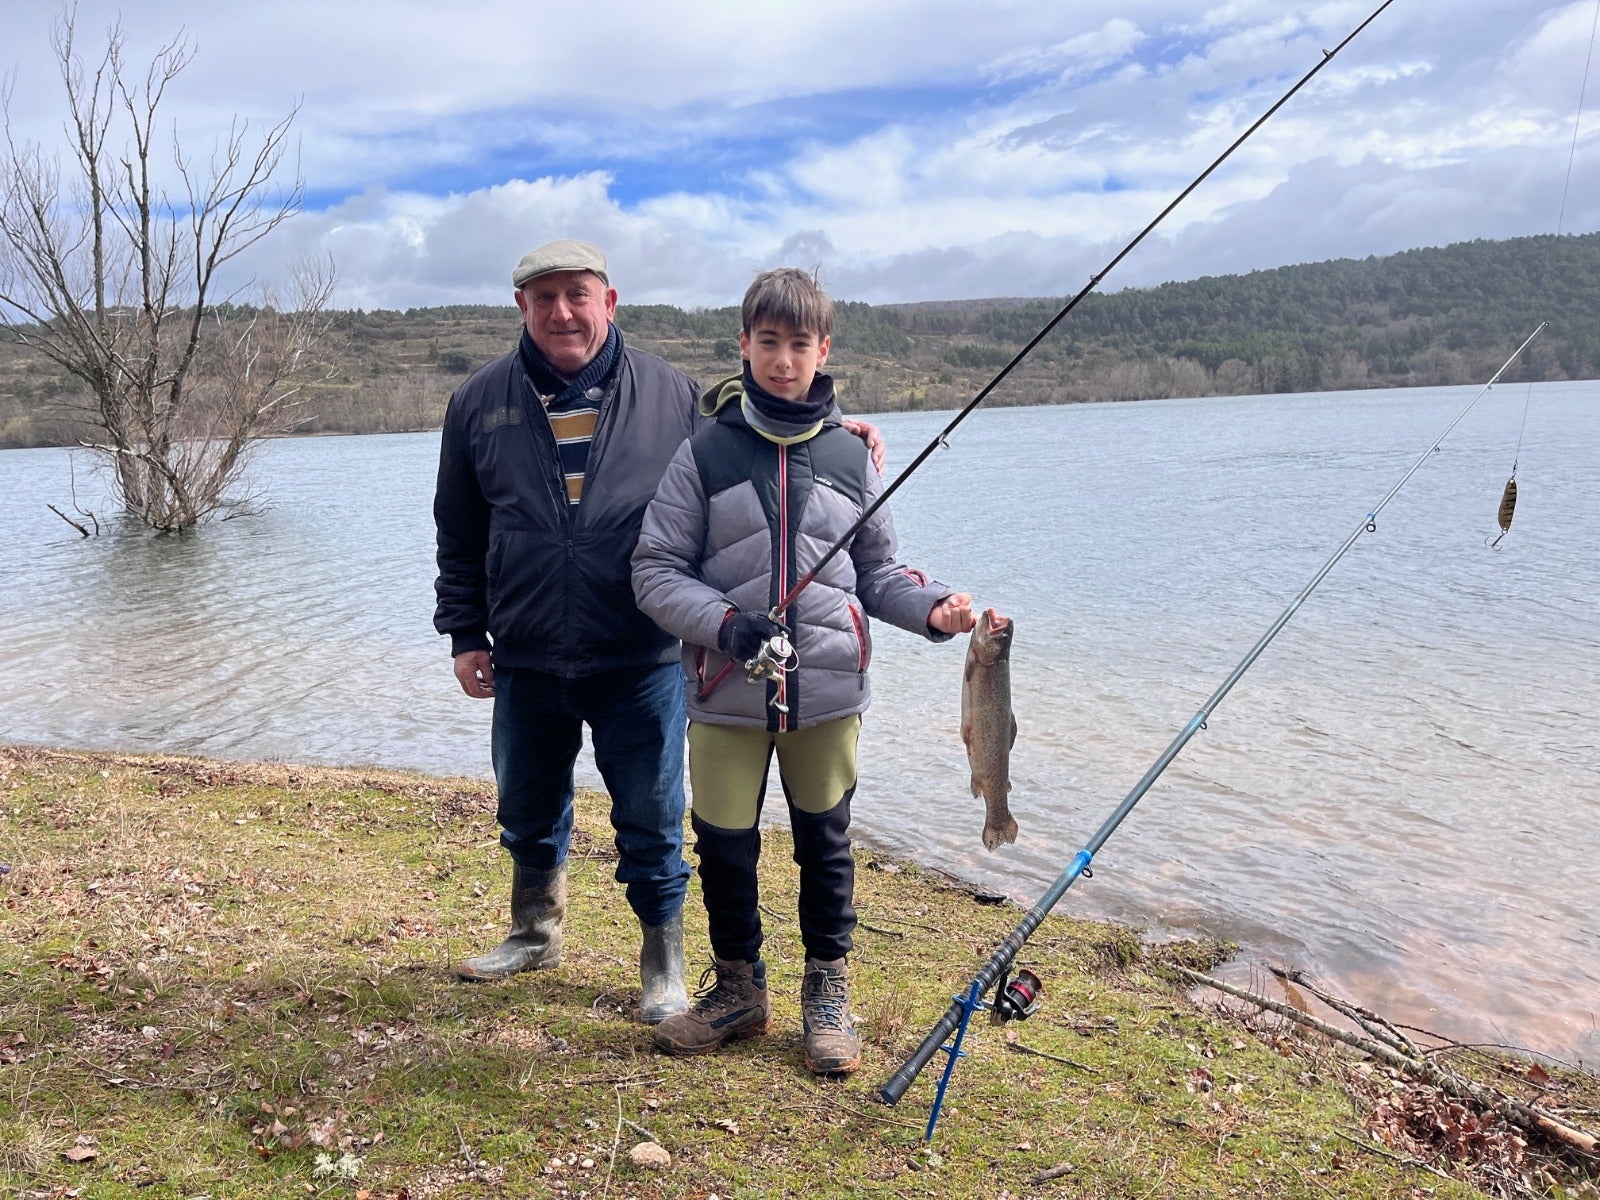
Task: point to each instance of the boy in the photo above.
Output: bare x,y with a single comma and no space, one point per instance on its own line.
746,507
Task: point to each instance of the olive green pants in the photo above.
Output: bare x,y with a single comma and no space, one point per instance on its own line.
728,768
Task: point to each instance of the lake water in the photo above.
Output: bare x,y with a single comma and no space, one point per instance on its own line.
1399,796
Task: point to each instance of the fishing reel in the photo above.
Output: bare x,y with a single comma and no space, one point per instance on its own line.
776,657
1016,999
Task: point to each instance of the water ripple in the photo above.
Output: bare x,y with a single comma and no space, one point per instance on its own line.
1398,796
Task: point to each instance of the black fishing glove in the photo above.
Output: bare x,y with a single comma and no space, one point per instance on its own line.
743,634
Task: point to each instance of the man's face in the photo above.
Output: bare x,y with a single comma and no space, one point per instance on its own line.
783,360
566,313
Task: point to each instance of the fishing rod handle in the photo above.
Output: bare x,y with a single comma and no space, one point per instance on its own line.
999,963
903,1078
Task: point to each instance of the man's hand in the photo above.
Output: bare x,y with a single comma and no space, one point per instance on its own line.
475,673
953,614
869,434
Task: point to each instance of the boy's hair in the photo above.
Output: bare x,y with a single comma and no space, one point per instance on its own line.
790,297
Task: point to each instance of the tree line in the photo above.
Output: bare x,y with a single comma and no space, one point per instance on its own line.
1438,316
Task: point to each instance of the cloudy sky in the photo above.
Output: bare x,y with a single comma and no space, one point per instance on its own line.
911,149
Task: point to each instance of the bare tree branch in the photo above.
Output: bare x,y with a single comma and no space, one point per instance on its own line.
1524,1116
109,273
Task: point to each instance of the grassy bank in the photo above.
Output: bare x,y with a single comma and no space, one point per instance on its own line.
224,980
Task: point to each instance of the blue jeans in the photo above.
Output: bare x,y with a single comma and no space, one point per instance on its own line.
636,720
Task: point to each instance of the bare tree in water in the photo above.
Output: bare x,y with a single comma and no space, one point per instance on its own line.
111,253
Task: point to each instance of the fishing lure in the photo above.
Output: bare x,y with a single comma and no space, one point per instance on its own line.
1508,505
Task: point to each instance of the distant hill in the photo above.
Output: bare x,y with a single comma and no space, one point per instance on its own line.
1422,317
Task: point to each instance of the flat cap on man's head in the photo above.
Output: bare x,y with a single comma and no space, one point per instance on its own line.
563,255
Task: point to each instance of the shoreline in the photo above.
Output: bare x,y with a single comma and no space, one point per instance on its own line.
236,971
1244,963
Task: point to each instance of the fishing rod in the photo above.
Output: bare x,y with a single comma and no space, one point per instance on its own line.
1015,1000
1094,281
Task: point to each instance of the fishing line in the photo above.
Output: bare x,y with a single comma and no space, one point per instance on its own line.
1094,281
1577,121
1508,498
960,1012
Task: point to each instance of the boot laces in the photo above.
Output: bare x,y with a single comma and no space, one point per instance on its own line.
716,990
827,1000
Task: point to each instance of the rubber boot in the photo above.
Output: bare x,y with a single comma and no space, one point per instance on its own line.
661,992
538,904
832,1047
733,1007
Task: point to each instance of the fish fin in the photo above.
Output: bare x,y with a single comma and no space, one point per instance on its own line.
977,786
999,834
966,735
1013,740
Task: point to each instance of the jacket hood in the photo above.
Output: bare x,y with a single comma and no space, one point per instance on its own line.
715,397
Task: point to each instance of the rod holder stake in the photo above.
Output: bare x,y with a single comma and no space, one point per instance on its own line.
972,1002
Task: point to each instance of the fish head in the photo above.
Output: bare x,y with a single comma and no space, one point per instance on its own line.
991,637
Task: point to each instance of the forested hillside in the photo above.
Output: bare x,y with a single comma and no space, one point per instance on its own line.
1423,317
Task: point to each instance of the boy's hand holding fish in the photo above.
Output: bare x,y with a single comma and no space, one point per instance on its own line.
953,614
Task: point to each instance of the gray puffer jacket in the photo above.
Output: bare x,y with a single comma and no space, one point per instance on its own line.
737,520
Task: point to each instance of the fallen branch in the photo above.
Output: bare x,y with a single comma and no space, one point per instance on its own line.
1378,1027
84,532
467,1156
640,1129
1523,1116
1372,1148
894,933
1019,1048
1055,1172
908,924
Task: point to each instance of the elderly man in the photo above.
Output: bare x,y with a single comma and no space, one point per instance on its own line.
549,456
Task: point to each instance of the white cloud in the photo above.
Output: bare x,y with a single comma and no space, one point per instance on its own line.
1074,57
1546,63
916,149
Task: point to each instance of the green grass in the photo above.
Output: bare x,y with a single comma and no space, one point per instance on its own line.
234,981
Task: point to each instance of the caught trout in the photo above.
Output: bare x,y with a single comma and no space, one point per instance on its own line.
987,726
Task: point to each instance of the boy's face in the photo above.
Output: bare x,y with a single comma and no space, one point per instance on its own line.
783,360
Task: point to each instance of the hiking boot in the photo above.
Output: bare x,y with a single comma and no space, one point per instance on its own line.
733,1007
832,1047
538,904
661,993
